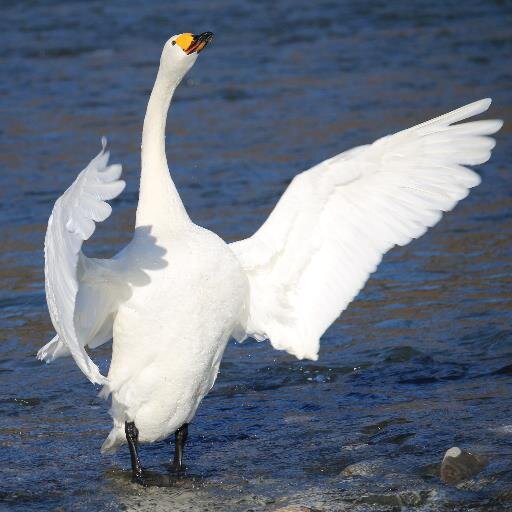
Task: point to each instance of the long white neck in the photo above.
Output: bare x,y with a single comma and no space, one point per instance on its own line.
160,206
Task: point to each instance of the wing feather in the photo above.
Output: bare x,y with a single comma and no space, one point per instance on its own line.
72,221
334,223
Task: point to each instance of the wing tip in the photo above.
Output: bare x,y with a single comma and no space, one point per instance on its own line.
485,102
51,351
480,106
42,355
471,109
498,125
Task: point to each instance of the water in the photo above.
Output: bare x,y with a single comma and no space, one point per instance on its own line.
420,362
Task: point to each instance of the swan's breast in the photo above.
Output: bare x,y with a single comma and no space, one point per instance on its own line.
180,311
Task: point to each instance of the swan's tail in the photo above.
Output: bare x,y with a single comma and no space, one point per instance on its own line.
117,435
114,440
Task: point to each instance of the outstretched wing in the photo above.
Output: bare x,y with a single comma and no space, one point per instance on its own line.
334,223
72,221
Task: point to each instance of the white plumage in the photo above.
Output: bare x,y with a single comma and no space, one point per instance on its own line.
335,221
172,298
72,221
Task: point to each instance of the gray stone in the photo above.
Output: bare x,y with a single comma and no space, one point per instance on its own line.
364,468
459,465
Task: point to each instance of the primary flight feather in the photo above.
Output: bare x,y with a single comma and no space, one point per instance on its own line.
172,298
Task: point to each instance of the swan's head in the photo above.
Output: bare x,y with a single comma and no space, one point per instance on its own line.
180,51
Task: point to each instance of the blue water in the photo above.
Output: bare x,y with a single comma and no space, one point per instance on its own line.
420,362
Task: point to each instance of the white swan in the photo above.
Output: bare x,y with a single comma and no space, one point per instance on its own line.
172,298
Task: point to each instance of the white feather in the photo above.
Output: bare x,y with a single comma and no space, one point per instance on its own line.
73,221
333,224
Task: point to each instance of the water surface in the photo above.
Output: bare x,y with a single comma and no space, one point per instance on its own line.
420,362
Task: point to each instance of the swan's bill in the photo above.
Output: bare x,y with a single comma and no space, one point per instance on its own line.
191,43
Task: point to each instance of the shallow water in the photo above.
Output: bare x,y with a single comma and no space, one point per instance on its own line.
420,362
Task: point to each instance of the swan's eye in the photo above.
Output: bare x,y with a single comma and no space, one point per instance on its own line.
173,43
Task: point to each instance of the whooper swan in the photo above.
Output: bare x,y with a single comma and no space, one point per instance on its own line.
172,298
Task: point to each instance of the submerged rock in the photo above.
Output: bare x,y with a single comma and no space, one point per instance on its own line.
296,508
365,468
458,465
398,500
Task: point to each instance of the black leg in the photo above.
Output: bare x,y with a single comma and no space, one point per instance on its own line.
132,436
180,439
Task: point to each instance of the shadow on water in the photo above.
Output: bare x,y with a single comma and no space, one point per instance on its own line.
419,363
152,478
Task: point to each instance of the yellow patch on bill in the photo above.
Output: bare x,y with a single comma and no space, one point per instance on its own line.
185,40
